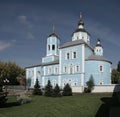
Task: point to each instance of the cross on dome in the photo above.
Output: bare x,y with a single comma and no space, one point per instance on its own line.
80,15
81,23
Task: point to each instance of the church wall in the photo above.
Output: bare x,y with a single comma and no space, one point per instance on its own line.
51,72
88,52
53,79
100,71
47,59
30,77
71,62
74,80
39,73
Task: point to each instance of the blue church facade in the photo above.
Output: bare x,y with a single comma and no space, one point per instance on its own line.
74,62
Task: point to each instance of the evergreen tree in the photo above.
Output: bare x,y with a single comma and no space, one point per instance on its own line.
67,91
56,91
90,84
118,67
37,89
115,78
48,89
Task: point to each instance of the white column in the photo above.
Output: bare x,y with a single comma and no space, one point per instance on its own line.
59,81
43,78
60,68
83,67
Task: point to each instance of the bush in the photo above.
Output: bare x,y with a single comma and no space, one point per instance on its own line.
86,90
56,91
37,89
3,98
67,91
90,84
23,99
48,89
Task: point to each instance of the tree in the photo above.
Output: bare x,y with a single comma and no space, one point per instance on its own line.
118,67
90,84
48,89
37,89
115,78
56,91
3,98
67,91
10,71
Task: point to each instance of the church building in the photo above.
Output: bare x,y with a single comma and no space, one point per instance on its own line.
74,62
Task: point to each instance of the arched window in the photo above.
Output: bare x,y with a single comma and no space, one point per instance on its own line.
53,47
67,55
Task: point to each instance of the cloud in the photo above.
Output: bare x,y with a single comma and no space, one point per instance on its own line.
30,35
4,45
101,31
23,19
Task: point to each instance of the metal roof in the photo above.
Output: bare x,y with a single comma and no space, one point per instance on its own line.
74,43
97,58
45,64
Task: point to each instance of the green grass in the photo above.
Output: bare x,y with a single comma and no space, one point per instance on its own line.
73,106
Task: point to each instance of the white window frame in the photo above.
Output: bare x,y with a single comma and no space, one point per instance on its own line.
73,55
56,70
77,68
50,70
64,69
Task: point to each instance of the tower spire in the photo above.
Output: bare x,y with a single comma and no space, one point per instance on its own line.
53,28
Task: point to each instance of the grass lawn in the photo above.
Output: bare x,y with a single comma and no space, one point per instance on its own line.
40,106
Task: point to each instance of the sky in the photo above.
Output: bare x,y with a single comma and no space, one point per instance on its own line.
26,24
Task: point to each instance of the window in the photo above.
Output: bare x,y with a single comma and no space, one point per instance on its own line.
77,68
53,47
48,47
65,69
49,70
56,70
74,54
67,55
101,68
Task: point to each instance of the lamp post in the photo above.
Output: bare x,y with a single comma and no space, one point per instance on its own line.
6,81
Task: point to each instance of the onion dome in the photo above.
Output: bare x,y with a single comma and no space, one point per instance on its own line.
99,43
81,26
81,21
98,50
81,33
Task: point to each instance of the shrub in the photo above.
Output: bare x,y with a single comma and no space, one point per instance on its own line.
3,98
67,91
86,90
90,84
48,89
37,89
56,91
23,99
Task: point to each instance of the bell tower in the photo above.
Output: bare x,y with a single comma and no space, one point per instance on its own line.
53,43
52,47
